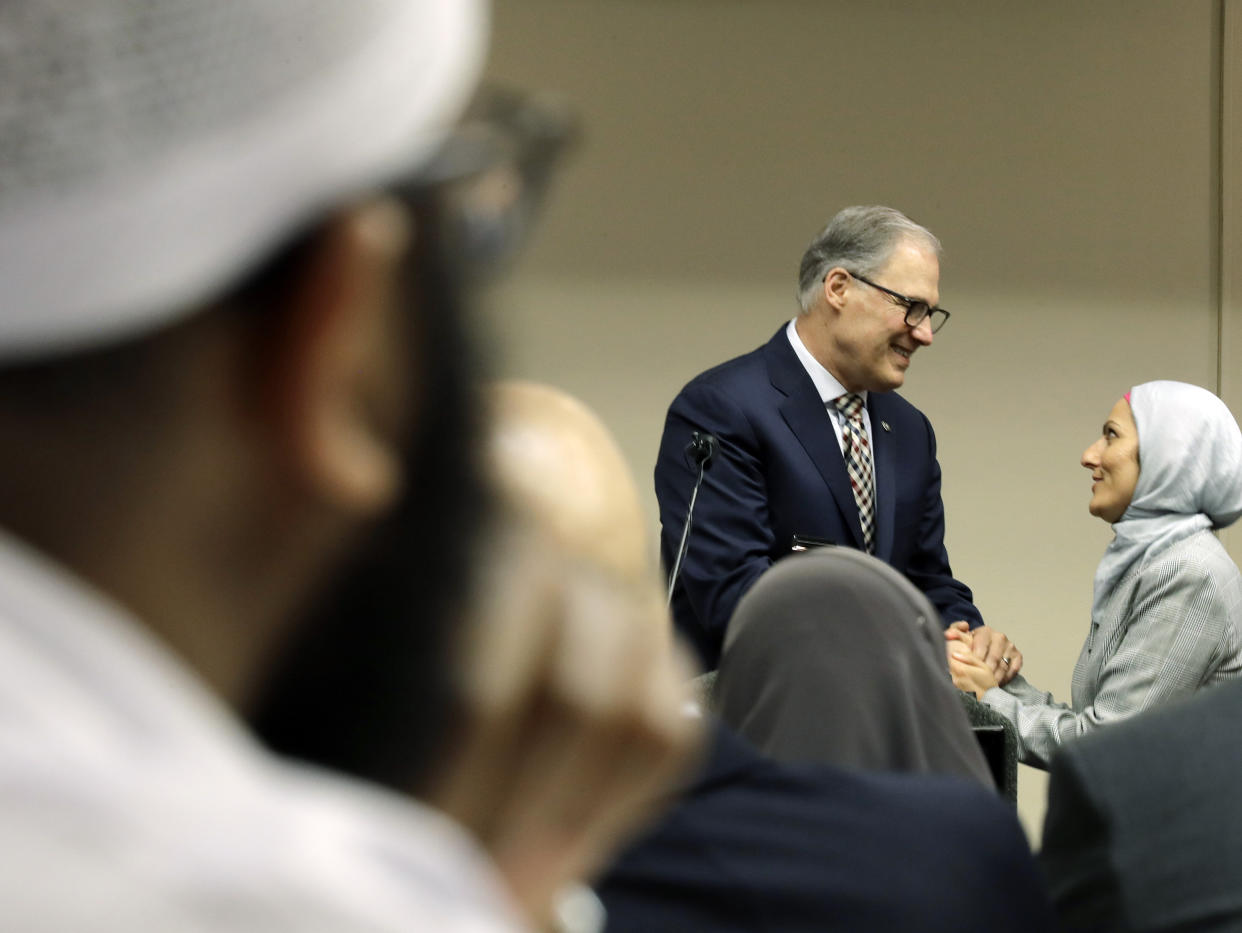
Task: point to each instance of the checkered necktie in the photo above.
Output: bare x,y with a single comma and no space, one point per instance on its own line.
857,452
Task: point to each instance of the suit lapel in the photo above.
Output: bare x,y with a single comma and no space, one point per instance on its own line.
884,463
804,412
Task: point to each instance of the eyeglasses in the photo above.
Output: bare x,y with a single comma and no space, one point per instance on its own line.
491,173
916,310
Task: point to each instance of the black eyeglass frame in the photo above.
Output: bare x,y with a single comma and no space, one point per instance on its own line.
916,310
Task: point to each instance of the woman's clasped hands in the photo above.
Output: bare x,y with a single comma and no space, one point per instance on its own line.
970,672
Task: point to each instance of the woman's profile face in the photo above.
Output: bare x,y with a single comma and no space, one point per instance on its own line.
1114,464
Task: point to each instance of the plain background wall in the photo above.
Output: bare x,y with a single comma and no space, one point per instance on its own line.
1067,154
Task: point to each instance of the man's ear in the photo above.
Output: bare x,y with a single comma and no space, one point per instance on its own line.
836,283
339,385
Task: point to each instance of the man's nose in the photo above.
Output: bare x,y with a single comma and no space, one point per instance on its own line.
922,331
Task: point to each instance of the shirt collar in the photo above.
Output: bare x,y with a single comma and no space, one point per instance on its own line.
825,382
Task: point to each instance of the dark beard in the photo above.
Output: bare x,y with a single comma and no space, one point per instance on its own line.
364,683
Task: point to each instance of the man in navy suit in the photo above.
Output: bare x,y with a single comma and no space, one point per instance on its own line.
789,463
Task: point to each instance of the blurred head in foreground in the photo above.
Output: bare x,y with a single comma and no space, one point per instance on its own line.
557,465
567,589
232,249
228,300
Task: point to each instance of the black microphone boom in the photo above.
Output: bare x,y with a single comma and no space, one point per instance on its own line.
702,448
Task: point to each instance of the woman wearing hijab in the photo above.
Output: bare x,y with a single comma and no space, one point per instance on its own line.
1166,618
835,657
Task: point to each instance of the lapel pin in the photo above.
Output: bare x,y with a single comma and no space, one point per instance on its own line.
884,425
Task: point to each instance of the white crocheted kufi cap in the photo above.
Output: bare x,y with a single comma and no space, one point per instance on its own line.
152,150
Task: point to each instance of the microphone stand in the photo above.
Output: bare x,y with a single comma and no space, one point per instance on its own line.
702,448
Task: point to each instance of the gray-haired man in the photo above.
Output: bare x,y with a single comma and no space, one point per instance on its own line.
813,443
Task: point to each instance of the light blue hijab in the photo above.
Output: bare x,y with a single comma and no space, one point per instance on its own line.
1190,478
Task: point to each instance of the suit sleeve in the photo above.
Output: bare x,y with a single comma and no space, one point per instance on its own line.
1175,629
928,567
731,539
1076,857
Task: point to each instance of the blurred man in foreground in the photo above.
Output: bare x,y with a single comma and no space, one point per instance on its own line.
231,388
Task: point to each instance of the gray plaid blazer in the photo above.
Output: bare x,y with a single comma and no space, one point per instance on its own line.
1172,626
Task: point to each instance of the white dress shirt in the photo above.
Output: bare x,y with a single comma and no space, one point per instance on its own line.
827,385
131,799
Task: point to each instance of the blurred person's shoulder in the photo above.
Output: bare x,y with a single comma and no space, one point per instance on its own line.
919,831
131,799
275,851
1158,783
758,844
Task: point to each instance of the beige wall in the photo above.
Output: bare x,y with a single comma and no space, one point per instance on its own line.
1068,155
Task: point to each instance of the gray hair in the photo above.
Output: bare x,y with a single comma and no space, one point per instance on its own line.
858,239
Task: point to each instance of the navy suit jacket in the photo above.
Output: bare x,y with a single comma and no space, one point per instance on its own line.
757,845
778,471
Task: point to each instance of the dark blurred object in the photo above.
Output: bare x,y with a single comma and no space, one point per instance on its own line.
755,845
495,170
998,739
1144,829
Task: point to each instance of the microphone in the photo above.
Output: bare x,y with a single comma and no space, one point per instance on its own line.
702,448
